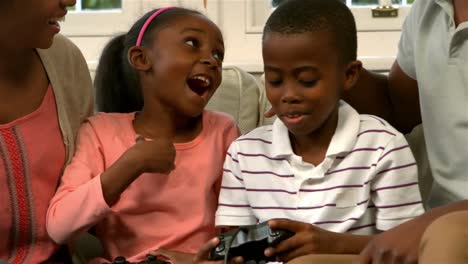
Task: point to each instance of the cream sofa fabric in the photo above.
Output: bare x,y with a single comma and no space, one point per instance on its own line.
418,147
264,105
238,95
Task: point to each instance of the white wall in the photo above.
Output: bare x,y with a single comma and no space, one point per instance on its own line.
241,22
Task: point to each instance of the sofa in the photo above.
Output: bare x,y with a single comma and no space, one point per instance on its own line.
242,96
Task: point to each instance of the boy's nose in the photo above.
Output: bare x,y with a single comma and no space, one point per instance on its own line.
290,95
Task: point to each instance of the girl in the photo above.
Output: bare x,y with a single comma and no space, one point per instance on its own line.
45,93
149,179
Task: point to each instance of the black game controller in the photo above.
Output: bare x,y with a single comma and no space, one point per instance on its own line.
150,259
249,242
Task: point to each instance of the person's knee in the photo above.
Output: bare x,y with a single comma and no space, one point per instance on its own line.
323,258
447,229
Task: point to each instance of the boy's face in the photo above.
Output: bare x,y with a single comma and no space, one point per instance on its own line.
304,78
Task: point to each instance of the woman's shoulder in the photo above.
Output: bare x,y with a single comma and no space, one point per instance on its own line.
62,42
67,70
62,50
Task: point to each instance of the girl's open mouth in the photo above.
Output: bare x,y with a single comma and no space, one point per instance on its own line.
199,84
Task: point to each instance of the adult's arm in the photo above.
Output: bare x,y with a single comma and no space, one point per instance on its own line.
394,97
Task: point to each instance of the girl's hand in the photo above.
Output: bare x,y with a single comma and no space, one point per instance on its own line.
269,113
145,156
154,156
176,257
308,239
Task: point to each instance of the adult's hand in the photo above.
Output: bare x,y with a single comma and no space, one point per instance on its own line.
397,245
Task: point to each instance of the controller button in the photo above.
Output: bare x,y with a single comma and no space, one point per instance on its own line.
120,260
274,232
220,247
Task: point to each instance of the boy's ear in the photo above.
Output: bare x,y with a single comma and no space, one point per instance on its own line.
139,59
352,72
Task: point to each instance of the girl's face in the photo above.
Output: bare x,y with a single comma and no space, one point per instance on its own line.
187,57
31,23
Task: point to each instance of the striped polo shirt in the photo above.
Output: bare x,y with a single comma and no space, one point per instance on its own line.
367,181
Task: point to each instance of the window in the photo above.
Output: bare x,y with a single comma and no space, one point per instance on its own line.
99,17
275,3
376,2
260,9
243,37
96,5
91,23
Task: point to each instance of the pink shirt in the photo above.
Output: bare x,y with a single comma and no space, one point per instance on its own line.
32,155
174,211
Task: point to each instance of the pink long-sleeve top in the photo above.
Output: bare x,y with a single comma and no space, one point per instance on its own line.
174,211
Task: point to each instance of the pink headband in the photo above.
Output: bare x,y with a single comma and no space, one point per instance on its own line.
147,22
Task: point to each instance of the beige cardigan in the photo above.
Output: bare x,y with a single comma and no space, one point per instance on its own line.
69,75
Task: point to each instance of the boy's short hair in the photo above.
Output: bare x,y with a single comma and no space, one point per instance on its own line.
301,16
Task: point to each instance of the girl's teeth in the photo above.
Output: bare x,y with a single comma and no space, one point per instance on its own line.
203,79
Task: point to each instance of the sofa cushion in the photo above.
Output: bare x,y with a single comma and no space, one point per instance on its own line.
418,147
264,105
238,96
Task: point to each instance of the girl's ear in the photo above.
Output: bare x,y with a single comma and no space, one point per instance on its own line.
138,59
352,72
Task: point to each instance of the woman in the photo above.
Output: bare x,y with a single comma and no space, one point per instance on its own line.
45,94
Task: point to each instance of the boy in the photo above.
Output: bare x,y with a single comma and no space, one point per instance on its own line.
334,177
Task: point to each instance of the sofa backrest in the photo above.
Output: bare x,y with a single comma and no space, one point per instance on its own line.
242,96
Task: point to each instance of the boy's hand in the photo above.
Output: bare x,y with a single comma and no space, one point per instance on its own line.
202,255
153,156
308,239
